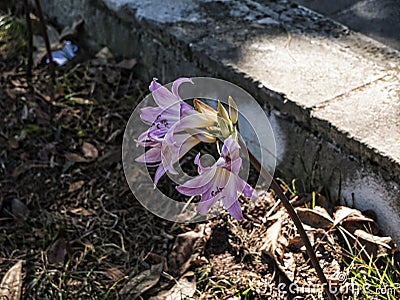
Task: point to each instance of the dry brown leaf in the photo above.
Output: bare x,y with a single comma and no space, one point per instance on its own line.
371,244
182,290
273,239
11,285
18,83
56,252
316,218
75,186
274,245
127,64
42,118
18,208
182,252
21,169
114,273
383,241
352,219
142,282
81,211
105,53
89,150
343,212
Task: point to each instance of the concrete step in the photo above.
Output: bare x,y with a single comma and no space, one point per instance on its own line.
378,19
332,95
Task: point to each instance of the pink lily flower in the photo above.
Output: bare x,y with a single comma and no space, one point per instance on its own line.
161,119
220,182
169,111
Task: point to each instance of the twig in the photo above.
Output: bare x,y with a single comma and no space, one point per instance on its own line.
30,40
293,215
46,40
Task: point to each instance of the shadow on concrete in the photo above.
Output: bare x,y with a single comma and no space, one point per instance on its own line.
378,19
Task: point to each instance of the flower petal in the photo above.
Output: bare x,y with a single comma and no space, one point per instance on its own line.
214,193
198,185
230,192
150,114
244,188
154,85
177,83
152,155
231,147
235,165
196,120
235,211
143,136
162,96
171,153
200,168
205,204
159,173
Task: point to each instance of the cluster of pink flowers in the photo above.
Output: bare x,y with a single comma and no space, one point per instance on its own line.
175,127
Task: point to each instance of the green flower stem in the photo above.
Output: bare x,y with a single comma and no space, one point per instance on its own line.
293,215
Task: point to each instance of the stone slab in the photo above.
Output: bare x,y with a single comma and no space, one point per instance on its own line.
327,7
378,19
370,115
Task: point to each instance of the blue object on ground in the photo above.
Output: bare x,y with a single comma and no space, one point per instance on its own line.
60,57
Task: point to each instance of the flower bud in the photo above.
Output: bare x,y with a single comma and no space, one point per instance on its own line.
222,113
233,110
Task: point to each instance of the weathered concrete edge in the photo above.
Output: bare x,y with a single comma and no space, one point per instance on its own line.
135,37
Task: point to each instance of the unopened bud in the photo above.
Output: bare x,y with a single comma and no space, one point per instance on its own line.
233,110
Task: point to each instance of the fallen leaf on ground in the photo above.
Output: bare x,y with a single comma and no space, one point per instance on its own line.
11,285
20,169
127,64
75,186
105,53
81,211
186,244
18,208
317,217
114,273
343,212
13,143
373,244
89,150
272,242
142,282
352,219
56,252
182,290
